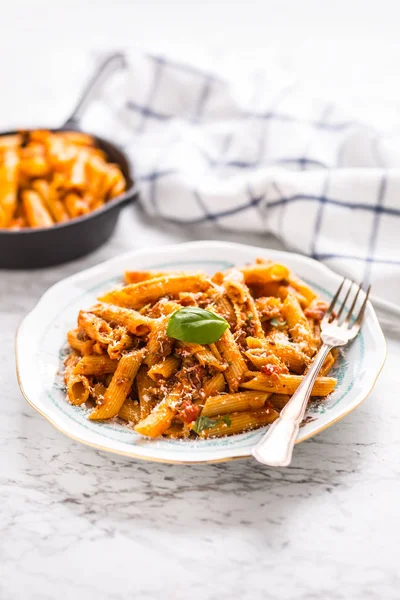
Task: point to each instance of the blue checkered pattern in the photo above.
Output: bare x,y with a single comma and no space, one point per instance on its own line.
254,154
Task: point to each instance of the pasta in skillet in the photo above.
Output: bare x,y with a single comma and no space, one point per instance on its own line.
51,177
183,354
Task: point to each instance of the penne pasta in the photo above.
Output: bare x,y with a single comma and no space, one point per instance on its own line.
238,402
236,363
96,328
36,213
121,341
49,178
165,369
288,354
160,418
77,385
264,273
299,327
145,394
288,384
97,392
78,340
302,288
119,387
8,185
95,365
240,422
214,385
134,322
159,345
238,378
130,411
136,294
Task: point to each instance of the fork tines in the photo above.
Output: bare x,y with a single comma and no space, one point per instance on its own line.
353,291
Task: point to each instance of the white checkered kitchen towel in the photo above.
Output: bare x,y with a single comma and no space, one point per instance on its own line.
257,153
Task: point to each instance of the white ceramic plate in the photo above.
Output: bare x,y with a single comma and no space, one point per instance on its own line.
41,347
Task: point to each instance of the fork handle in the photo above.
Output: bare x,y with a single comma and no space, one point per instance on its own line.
276,447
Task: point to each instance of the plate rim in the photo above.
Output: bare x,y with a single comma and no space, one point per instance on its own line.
97,269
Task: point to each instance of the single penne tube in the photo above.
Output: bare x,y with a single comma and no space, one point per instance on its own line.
36,213
78,389
299,327
233,282
238,402
328,363
298,284
294,359
214,385
119,387
95,327
223,307
164,369
77,385
137,276
78,340
145,392
240,315
130,411
95,365
236,364
159,345
131,319
136,295
264,273
240,422
288,384
215,351
160,418
253,316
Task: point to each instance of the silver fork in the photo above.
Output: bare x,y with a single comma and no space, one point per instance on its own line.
276,447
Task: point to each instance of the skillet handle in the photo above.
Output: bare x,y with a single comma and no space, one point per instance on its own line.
111,64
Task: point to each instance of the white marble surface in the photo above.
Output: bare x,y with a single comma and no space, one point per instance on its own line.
80,524
86,525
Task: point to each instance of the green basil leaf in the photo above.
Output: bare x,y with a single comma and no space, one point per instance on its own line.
203,423
276,323
227,420
207,423
192,324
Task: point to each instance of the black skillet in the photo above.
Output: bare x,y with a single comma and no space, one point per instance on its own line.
43,247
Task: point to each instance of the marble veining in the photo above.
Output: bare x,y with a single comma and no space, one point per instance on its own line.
85,525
